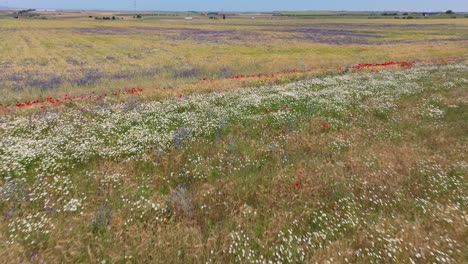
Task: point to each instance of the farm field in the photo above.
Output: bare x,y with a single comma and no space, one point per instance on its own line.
41,58
266,140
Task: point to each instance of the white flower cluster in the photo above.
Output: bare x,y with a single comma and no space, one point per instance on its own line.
53,141
72,206
29,228
143,209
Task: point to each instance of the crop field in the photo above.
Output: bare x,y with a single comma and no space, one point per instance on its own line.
249,140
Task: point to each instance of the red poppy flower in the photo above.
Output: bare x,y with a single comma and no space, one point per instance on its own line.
324,125
297,184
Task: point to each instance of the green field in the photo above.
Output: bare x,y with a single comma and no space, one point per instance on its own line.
315,160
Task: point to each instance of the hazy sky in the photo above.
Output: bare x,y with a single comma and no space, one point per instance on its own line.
246,5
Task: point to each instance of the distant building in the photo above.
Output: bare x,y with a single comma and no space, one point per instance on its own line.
188,18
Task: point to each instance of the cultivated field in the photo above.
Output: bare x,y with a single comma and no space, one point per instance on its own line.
256,139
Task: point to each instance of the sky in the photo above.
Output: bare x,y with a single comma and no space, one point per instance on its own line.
245,5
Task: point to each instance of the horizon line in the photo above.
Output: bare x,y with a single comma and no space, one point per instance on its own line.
238,11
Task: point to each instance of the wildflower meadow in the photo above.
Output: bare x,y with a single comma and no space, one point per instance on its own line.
334,141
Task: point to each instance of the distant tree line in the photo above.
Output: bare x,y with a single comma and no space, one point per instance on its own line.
24,13
366,14
106,18
114,17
